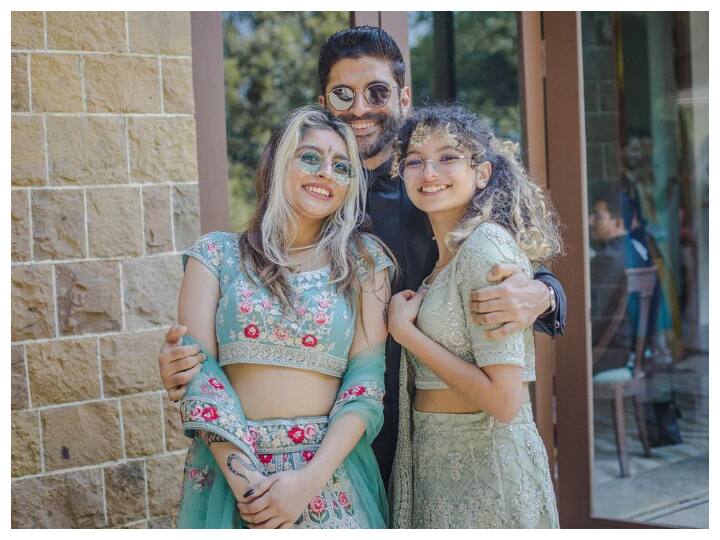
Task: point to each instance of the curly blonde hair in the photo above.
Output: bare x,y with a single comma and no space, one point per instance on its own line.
509,199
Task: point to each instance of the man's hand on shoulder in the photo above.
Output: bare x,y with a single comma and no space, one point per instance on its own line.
178,364
515,303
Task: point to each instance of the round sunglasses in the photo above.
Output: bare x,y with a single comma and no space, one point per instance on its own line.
376,95
311,162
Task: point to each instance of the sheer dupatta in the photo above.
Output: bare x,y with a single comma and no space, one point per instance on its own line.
401,477
211,404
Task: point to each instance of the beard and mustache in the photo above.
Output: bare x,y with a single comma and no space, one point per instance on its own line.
388,125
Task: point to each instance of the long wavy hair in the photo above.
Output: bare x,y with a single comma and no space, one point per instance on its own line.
509,199
263,247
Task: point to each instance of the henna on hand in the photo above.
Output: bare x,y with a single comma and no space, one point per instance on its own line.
208,437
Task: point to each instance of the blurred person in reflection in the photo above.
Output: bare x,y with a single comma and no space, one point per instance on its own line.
294,312
616,251
468,453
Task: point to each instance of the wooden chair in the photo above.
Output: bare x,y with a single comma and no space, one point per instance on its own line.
641,281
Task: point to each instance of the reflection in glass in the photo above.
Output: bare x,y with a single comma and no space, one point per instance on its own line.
270,68
646,114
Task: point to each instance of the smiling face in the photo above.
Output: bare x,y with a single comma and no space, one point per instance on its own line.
374,127
316,195
447,183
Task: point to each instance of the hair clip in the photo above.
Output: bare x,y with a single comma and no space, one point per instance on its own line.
420,134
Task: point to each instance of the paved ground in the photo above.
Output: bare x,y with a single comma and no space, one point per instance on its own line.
671,487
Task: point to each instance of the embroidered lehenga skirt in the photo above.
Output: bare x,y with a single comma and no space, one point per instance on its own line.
471,471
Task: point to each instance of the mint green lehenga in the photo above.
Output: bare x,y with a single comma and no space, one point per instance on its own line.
315,335
469,470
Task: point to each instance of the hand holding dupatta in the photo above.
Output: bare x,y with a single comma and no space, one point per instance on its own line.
355,420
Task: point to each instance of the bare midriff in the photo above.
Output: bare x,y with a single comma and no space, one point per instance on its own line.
281,392
447,400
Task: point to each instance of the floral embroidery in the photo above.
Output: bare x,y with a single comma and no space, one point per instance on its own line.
201,478
322,318
210,413
318,509
307,455
252,331
297,434
247,293
265,458
245,307
356,390
310,431
343,499
215,383
309,340
281,333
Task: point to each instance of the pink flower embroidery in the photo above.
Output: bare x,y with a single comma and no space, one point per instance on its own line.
194,474
215,383
309,340
196,412
245,307
296,434
247,293
343,498
357,390
266,304
252,331
317,505
210,414
310,431
301,310
307,455
211,247
321,318
265,458
323,303
253,434
281,333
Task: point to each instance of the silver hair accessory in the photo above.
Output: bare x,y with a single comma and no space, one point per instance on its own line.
395,169
509,148
420,135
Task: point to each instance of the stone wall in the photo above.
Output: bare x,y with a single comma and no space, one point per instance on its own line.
104,197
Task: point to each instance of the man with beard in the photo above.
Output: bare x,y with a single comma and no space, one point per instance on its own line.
362,77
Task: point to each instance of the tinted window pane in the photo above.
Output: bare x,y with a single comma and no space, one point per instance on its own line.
646,112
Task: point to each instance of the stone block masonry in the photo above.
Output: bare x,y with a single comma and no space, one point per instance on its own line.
104,197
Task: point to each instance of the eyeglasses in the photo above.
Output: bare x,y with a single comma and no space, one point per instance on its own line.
311,162
412,168
376,95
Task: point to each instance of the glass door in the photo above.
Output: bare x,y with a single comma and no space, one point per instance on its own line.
645,81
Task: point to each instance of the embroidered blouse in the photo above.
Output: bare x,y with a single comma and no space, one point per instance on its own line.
445,314
251,326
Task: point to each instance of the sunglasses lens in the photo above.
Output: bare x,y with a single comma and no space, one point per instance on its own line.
342,172
341,98
377,95
310,162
